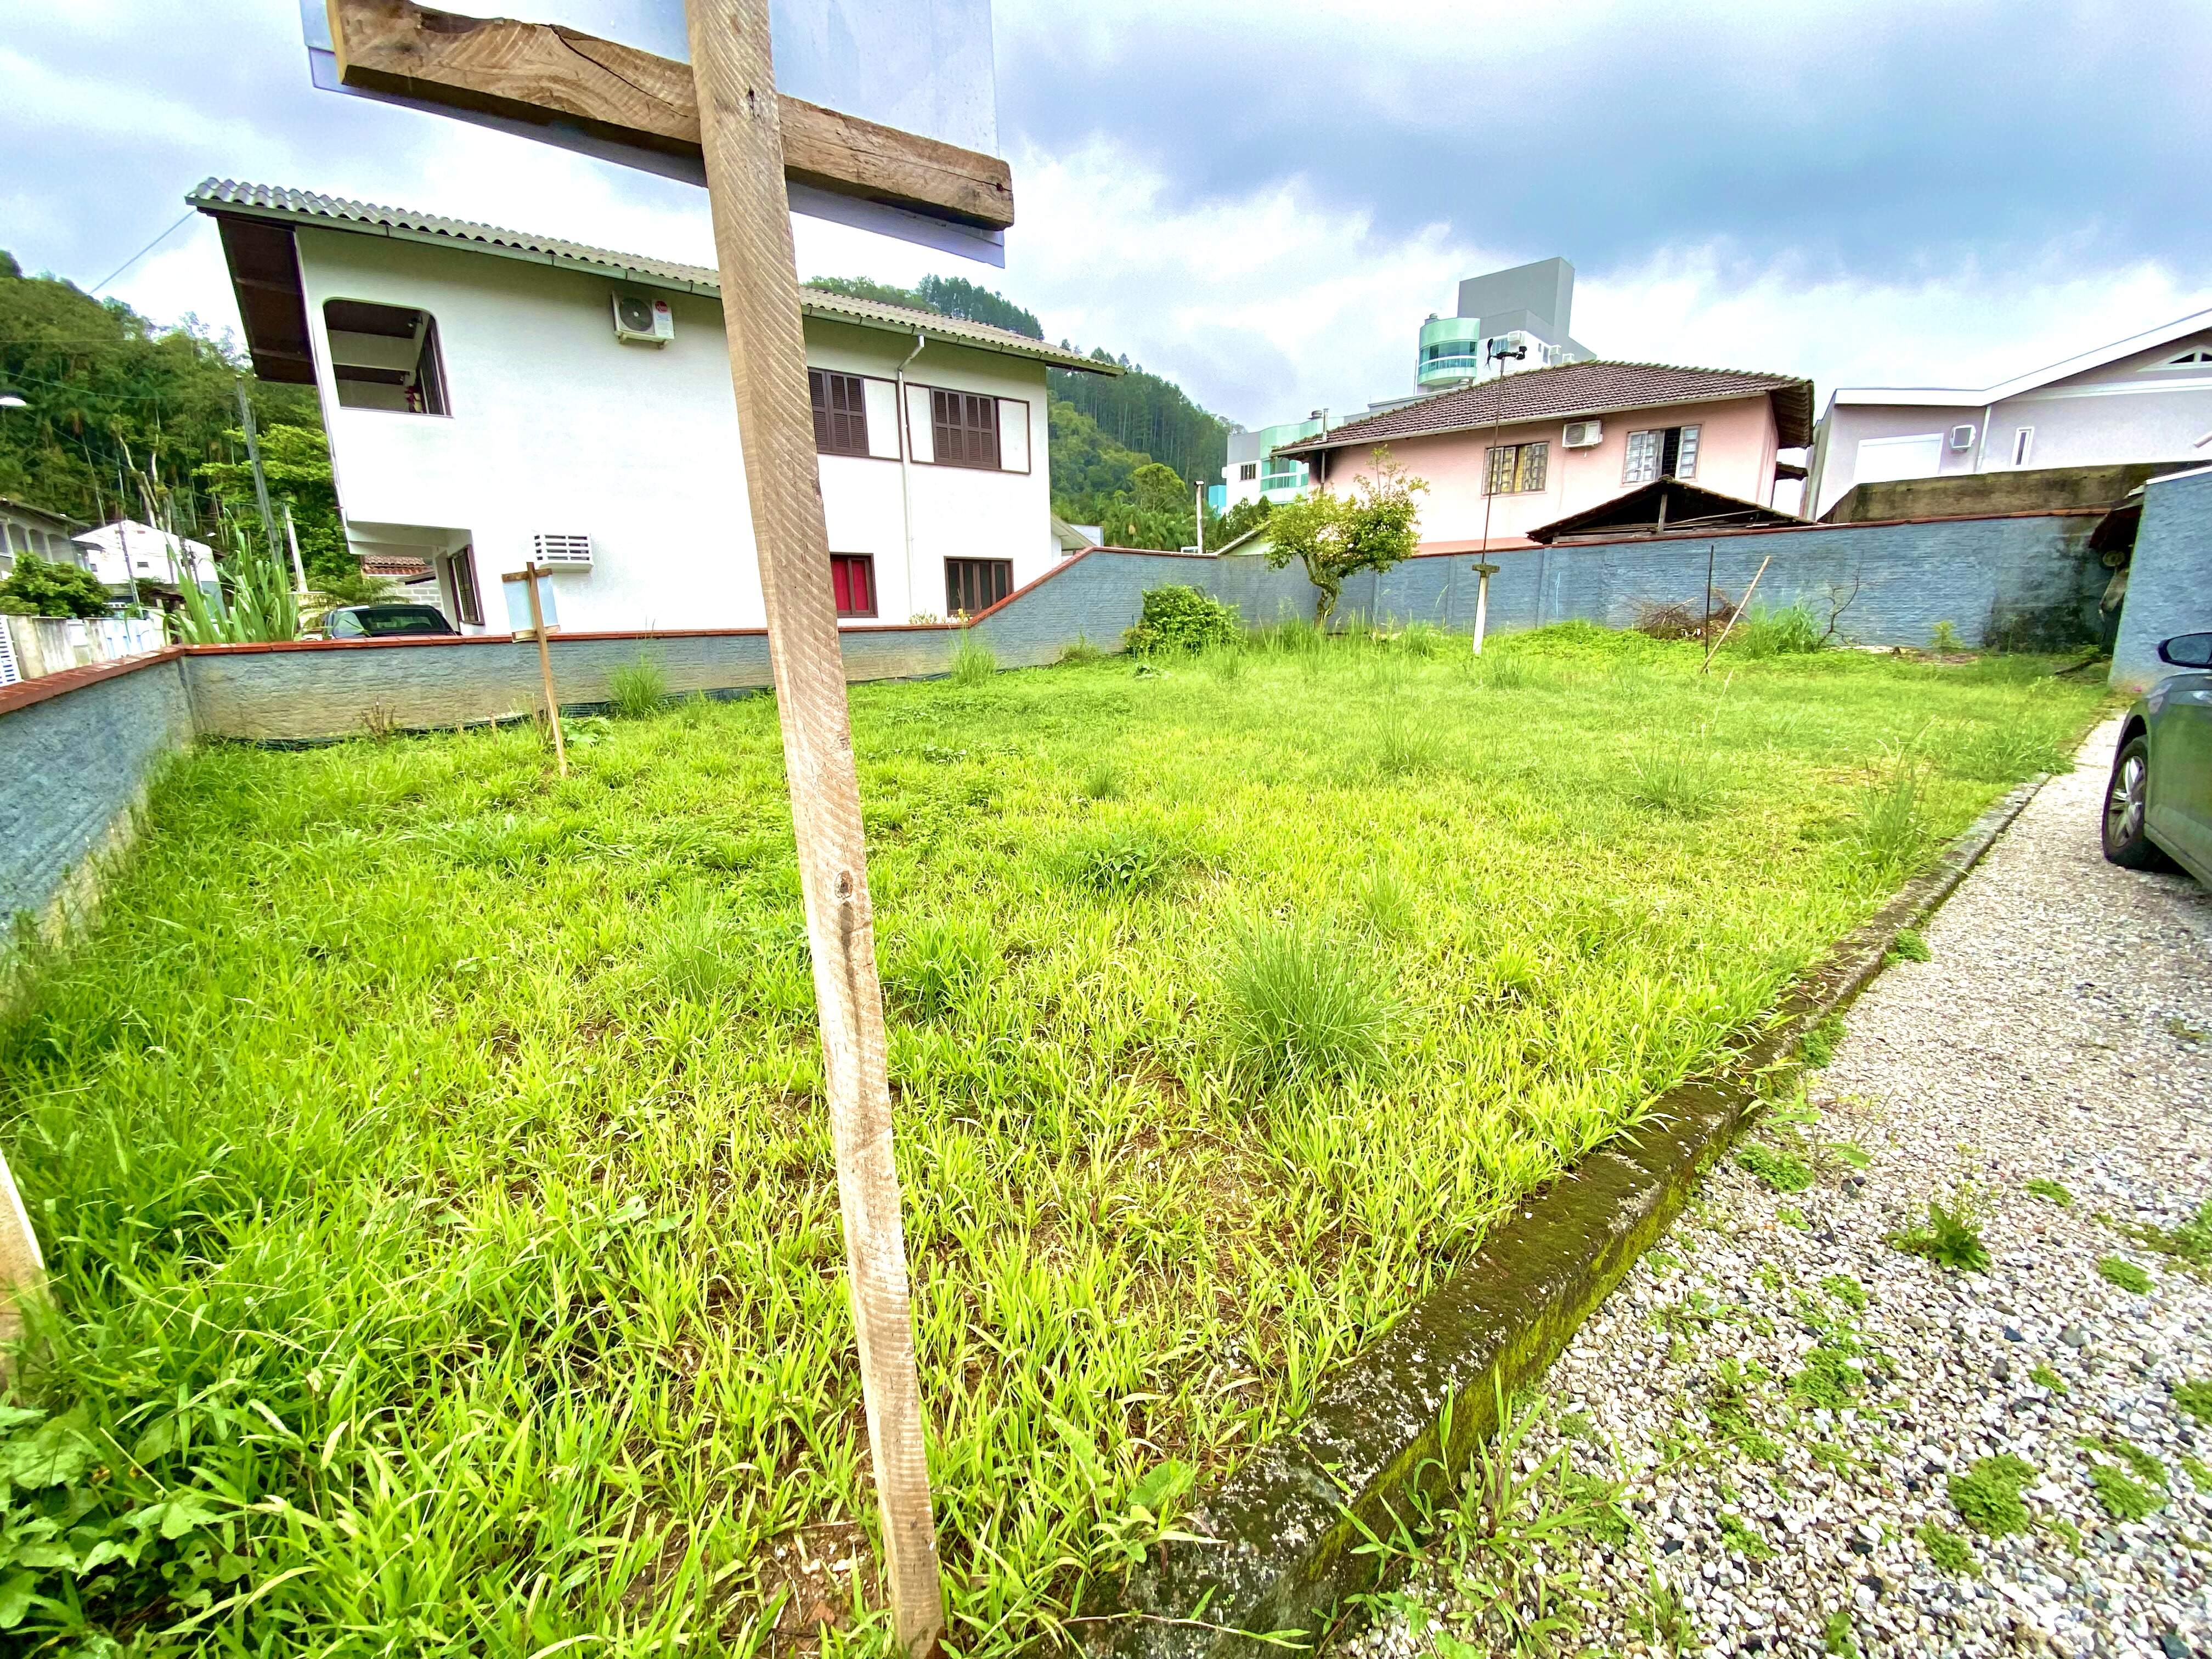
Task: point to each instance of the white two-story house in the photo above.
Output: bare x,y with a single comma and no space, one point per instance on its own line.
493,398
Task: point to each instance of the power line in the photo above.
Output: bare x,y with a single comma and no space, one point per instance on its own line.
140,254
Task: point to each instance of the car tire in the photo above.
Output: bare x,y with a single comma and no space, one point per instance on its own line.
2127,841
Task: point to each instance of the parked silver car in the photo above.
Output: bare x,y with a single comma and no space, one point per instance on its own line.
2158,807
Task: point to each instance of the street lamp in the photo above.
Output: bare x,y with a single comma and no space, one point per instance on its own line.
1493,351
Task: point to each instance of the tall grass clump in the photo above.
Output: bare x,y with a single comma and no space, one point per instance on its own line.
938,964
637,690
696,955
973,661
1401,745
1117,863
1790,631
1892,821
1301,1006
1673,777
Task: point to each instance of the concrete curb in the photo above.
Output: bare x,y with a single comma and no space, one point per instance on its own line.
1284,1530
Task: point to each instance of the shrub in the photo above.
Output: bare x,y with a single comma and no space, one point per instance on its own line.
973,661
1944,638
1177,619
1949,1240
47,588
1301,1006
638,690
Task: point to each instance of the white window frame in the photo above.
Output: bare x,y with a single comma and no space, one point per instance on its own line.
2023,446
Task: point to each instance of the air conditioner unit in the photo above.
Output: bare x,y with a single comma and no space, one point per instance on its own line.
559,552
1962,437
641,317
1584,434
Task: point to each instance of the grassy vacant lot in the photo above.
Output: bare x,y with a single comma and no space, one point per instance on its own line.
431,1157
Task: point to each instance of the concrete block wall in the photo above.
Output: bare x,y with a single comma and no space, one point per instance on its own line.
78,750
2169,578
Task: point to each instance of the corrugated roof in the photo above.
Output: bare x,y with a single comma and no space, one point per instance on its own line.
275,202
1574,392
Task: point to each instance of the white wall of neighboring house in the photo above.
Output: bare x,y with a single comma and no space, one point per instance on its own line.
2151,404
118,553
557,427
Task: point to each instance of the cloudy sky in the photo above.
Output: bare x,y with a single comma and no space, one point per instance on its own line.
1263,198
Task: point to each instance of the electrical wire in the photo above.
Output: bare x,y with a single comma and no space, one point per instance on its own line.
141,253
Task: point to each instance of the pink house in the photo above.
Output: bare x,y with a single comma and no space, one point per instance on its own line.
1511,455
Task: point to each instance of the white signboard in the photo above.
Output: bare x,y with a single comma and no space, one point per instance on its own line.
923,66
515,585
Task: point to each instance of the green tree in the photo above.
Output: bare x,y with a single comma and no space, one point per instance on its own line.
1142,411
865,288
119,410
45,587
295,460
955,296
1336,536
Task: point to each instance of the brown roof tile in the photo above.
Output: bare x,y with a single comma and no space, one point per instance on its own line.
1572,391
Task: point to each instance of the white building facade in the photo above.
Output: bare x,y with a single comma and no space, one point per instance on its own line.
126,552
493,398
2147,398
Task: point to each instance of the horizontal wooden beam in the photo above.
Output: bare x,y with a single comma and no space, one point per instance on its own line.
545,73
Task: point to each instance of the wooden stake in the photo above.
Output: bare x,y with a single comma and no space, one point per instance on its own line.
1737,612
740,135
545,665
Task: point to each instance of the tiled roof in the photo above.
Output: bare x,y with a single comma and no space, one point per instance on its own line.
226,196
1573,391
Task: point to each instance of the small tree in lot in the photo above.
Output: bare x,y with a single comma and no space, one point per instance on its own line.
1337,537
47,587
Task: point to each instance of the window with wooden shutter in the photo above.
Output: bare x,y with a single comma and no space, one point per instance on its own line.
841,412
973,586
964,428
1517,468
852,581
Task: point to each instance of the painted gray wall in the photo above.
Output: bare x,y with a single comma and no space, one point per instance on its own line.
2170,577
75,766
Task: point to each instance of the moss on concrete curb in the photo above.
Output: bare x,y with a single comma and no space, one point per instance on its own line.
1281,1535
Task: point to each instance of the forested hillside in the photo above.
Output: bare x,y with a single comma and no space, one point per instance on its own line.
124,419
1104,428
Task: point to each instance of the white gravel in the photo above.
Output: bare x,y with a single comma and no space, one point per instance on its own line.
2060,1032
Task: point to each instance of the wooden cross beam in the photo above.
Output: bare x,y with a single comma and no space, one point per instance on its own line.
544,73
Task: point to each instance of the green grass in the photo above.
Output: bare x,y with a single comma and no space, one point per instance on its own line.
430,1158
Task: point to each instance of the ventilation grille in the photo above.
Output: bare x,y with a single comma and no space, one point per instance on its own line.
548,548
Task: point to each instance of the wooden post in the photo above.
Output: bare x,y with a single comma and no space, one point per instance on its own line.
545,665
22,1269
1484,570
1736,613
741,138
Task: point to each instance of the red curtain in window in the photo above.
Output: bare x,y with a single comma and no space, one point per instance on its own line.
852,581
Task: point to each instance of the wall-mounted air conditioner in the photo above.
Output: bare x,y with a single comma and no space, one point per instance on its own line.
562,552
1584,434
644,318
1962,437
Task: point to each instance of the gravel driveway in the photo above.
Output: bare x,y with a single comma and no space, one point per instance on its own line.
1831,1445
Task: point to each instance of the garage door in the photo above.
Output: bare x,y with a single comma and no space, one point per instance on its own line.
1881,460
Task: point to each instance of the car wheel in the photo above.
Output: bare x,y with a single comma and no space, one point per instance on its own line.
2126,842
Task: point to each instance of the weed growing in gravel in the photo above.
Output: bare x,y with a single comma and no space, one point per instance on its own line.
2176,1026
1847,1290
1827,1455
1743,1538
1663,1621
2044,1377
1947,1550
2119,1270
1790,1216
1827,1380
1781,1171
1987,1496
1836,1636
1728,1405
1949,1239
2125,1497
1817,1046
1909,946
2192,1241
2199,1475
2051,1190
2140,1463
2195,1397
